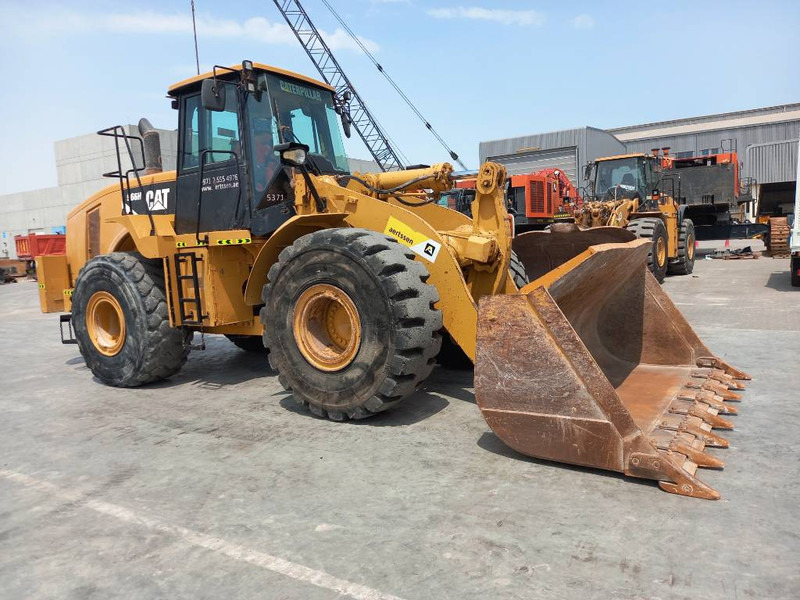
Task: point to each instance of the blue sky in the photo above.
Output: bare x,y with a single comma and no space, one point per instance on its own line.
478,70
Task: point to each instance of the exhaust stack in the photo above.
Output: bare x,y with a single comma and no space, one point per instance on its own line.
152,147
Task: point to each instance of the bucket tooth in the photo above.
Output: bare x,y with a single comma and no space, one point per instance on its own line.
695,426
697,456
710,416
675,473
690,486
702,430
718,363
727,395
720,377
727,380
685,443
708,397
716,387
699,409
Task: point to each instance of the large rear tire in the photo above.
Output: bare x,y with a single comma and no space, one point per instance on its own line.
654,230
350,322
794,266
119,312
684,263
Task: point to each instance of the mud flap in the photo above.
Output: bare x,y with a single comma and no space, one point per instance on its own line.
592,364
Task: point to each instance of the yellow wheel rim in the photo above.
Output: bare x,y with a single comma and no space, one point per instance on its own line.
326,326
690,247
661,251
105,323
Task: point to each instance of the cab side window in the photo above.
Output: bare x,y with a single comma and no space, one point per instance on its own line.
190,152
209,130
224,129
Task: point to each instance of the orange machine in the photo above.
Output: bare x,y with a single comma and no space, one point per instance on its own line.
541,198
31,246
535,200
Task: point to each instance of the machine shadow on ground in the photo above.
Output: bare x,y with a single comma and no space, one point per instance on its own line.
427,401
491,443
781,281
414,409
456,383
220,364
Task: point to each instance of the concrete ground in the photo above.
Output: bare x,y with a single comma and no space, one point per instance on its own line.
214,484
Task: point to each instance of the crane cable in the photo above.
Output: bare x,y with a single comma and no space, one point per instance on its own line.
380,68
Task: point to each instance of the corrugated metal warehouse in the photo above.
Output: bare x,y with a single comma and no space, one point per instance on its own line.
765,138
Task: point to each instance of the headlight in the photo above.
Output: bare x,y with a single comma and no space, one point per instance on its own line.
294,156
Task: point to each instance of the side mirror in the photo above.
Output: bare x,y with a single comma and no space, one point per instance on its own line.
587,172
212,95
341,104
345,116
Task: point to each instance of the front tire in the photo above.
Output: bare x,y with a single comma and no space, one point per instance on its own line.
119,311
684,263
654,230
794,266
350,323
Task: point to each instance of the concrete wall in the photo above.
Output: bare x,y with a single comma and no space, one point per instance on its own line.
363,166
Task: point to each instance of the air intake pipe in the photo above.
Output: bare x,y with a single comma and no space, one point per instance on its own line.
152,147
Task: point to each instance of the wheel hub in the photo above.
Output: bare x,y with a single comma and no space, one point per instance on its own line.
105,323
326,327
661,251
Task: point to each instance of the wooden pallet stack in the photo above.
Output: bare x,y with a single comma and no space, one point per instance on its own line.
778,237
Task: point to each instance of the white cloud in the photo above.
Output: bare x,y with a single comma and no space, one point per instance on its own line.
505,17
583,21
148,22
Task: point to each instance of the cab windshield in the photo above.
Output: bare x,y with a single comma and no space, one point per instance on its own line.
624,172
290,111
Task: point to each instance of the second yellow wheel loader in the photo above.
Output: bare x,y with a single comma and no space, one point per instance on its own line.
626,194
351,280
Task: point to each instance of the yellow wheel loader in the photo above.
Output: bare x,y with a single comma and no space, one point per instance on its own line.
626,194
351,280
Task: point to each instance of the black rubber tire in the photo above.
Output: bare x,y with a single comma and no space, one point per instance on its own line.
684,263
248,343
794,266
153,350
652,229
451,356
399,325
517,271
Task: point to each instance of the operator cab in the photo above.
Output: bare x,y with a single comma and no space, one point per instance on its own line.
229,173
623,177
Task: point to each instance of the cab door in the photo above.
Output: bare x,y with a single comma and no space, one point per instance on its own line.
210,192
